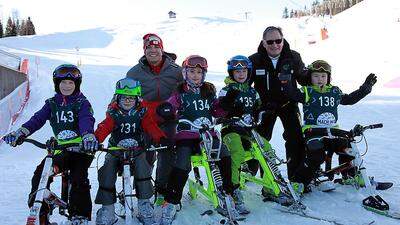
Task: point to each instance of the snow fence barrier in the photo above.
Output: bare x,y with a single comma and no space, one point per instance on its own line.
12,105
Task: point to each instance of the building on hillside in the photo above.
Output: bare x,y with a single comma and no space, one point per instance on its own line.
172,15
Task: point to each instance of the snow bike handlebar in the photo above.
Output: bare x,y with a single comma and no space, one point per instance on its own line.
357,130
52,145
133,149
235,120
201,127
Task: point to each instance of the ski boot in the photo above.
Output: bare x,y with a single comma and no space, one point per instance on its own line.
145,212
168,213
79,220
239,203
224,211
105,215
283,199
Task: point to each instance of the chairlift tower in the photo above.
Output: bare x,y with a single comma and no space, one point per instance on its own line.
247,15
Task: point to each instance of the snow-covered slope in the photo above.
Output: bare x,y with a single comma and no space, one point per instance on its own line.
362,39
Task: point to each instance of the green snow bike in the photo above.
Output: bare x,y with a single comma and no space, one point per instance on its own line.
275,186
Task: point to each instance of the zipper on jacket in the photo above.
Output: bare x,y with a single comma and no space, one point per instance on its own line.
267,81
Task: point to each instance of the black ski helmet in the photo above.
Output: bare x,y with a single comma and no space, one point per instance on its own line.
67,72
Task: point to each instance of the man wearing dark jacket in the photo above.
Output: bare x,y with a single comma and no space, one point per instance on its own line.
159,76
275,58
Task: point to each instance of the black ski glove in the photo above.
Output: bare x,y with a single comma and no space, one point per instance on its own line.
227,102
237,110
166,111
369,82
269,108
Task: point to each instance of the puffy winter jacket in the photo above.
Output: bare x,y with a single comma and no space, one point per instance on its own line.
157,87
265,76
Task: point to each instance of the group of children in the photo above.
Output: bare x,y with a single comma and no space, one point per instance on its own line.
71,119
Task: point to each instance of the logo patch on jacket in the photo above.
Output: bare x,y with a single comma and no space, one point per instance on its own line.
260,72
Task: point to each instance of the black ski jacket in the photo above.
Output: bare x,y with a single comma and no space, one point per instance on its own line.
265,76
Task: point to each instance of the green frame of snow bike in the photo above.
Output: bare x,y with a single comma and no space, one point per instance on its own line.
209,192
267,181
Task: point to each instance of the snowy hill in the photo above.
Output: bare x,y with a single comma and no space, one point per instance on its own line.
361,40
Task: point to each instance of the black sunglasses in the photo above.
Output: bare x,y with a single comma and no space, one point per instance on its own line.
277,41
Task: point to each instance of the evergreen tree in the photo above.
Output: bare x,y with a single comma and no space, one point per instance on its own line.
10,28
17,26
22,30
1,30
30,28
285,13
14,29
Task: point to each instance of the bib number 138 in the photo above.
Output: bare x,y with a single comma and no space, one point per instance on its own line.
327,101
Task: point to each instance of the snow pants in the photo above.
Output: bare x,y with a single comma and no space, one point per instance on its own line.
80,203
107,176
317,151
234,143
182,166
165,158
292,134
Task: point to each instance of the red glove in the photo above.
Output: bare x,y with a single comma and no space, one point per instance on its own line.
149,122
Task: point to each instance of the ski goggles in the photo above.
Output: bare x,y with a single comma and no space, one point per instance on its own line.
128,87
194,61
320,65
67,72
239,64
276,41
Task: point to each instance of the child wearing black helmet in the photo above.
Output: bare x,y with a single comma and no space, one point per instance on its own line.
320,101
71,118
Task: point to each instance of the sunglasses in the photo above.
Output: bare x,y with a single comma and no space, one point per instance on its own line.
277,41
67,72
127,98
196,61
239,64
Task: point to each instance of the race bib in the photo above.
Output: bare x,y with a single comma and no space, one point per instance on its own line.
326,119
